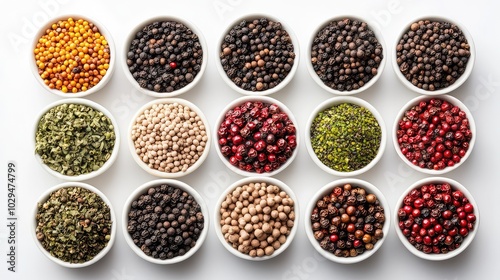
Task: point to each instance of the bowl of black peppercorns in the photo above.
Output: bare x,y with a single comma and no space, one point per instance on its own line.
436,218
346,55
256,135
347,220
165,56
165,221
257,54
433,55
434,134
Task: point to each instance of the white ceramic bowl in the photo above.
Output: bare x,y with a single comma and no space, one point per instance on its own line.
143,189
284,82
415,101
459,81
380,68
106,165
43,198
336,101
467,240
242,182
241,101
102,30
131,37
162,174
326,190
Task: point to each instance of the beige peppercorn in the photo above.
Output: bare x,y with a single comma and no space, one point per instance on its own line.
258,227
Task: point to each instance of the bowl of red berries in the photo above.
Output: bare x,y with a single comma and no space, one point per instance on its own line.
436,218
434,135
256,135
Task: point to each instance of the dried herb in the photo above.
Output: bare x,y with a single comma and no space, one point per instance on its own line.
74,224
345,137
74,139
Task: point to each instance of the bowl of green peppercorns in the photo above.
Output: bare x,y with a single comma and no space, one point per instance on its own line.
74,224
433,55
345,136
76,139
165,221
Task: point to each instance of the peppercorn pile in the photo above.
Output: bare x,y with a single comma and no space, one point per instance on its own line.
165,222
74,139
345,137
435,218
348,221
346,54
434,134
257,55
257,137
169,137
74,224
72,55
432,55
256,218
165,56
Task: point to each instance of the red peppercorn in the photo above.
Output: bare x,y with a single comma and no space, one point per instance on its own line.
334,238
468,208
173,65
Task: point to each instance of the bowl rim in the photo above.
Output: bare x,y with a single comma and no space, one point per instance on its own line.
93,189
96,106
340,100
248,180
180,185
102,29
131,35
284,82
467,240
265,99
460,80
162,174
454,101
380,69
327,189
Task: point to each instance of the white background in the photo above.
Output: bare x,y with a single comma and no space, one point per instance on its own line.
21,98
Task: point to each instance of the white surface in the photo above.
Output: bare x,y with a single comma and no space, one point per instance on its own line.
22,98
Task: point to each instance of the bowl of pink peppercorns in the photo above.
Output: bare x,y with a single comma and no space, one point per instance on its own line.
434,135
436,218
256,135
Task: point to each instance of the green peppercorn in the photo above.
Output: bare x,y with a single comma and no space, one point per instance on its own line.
345,137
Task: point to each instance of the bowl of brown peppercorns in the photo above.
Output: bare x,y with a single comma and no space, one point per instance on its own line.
74,224
436,218
169,137
165,56
347,220
346,55
256,135
165,221
256,218
434,135
257,54
433,55
73,56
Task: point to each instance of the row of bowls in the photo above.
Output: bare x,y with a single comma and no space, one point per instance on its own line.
326,104
327,189
224,76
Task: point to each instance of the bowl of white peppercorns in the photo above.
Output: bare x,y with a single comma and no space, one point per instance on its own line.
165,56
433,55
255,218
169,137
177,221
346,55
347,220
257,54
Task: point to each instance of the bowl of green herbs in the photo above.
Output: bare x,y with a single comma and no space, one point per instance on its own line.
76,139
345,136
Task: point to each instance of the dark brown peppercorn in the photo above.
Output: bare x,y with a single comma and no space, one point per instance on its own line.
168,231
346,54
